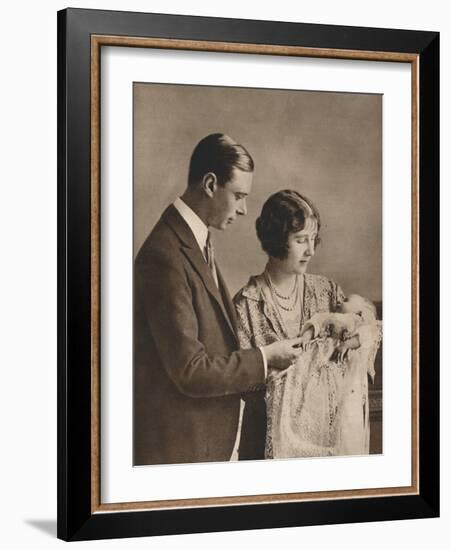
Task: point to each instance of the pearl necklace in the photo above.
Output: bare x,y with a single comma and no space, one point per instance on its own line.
281,296
275,294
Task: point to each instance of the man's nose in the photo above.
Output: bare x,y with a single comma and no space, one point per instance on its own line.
242,210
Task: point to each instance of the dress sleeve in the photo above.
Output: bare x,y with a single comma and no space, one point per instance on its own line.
338,296
243,322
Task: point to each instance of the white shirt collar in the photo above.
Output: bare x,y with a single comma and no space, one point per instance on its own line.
197,226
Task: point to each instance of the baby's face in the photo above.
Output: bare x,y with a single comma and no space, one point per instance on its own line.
346,308
356,304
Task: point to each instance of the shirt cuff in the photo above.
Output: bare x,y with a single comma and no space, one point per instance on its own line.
265,362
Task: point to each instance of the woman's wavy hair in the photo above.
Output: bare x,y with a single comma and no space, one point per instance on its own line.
283,213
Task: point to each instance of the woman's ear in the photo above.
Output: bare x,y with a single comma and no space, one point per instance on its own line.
210,184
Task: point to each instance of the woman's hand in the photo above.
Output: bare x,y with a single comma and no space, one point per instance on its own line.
341,352
307,337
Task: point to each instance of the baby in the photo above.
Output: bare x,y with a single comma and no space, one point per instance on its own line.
349,325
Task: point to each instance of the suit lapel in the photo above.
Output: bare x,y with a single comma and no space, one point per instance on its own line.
192,251
227,300
199,264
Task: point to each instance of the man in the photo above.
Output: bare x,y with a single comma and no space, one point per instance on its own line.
189,371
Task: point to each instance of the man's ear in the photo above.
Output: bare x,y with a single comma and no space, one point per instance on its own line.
210,184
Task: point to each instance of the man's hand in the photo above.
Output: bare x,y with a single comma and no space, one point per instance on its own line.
280,355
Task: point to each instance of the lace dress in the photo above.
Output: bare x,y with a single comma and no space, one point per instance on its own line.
317,407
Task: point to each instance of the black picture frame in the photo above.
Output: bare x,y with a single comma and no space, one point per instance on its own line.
76,518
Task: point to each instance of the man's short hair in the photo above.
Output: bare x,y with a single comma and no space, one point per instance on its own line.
219,154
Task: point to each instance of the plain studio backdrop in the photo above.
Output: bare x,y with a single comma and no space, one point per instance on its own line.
28,276
327,146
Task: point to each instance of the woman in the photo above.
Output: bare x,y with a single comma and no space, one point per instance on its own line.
303,409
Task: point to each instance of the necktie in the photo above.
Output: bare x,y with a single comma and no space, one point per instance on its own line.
210,257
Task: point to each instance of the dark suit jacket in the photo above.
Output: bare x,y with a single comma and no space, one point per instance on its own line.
188,374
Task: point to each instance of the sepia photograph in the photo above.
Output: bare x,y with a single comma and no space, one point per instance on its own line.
257,278
246,209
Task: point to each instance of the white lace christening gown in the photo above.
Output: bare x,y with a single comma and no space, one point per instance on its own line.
319,407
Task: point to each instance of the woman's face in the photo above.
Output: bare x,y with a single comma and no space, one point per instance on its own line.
301,248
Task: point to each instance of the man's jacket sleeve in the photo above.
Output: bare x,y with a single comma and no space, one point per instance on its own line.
163,287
